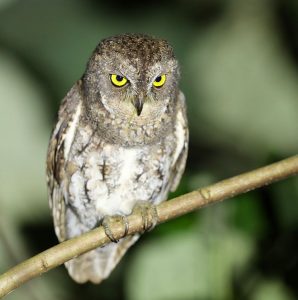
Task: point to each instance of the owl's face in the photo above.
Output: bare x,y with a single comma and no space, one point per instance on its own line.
134,78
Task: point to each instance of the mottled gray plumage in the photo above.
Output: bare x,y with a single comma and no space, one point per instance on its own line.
113,146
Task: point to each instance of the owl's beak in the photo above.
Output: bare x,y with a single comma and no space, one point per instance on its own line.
138,104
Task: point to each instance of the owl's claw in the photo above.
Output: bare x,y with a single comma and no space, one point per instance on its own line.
149,214
146,210
108,220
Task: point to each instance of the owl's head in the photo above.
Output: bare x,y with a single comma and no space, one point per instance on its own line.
134,78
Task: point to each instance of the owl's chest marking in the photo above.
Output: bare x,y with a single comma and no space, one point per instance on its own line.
110,179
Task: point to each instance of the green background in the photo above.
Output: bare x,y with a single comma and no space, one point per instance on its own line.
239,62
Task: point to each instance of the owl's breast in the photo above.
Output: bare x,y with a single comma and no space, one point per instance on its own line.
110,179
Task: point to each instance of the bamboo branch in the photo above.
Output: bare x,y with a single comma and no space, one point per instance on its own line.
63,252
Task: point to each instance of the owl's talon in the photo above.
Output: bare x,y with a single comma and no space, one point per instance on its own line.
149,214
154,217
108,220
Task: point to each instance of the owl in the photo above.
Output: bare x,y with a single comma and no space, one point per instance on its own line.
121,139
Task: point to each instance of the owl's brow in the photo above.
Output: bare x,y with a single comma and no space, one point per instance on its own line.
121,64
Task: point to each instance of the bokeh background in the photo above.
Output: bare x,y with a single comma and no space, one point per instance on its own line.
239,61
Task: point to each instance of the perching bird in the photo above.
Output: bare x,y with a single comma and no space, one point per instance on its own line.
121,138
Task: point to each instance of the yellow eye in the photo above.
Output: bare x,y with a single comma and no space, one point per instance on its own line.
159,81
118,80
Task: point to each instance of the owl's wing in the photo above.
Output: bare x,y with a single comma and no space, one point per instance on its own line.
57,156
181,134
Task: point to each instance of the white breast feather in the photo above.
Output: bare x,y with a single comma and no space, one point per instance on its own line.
71,131
180,136
119,202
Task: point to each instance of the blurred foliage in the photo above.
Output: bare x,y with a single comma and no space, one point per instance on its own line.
239,63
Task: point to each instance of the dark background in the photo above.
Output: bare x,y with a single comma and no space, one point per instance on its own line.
239,62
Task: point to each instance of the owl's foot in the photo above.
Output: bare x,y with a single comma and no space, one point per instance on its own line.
109,220
149,214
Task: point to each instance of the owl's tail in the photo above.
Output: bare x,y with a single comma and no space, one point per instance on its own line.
98,264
